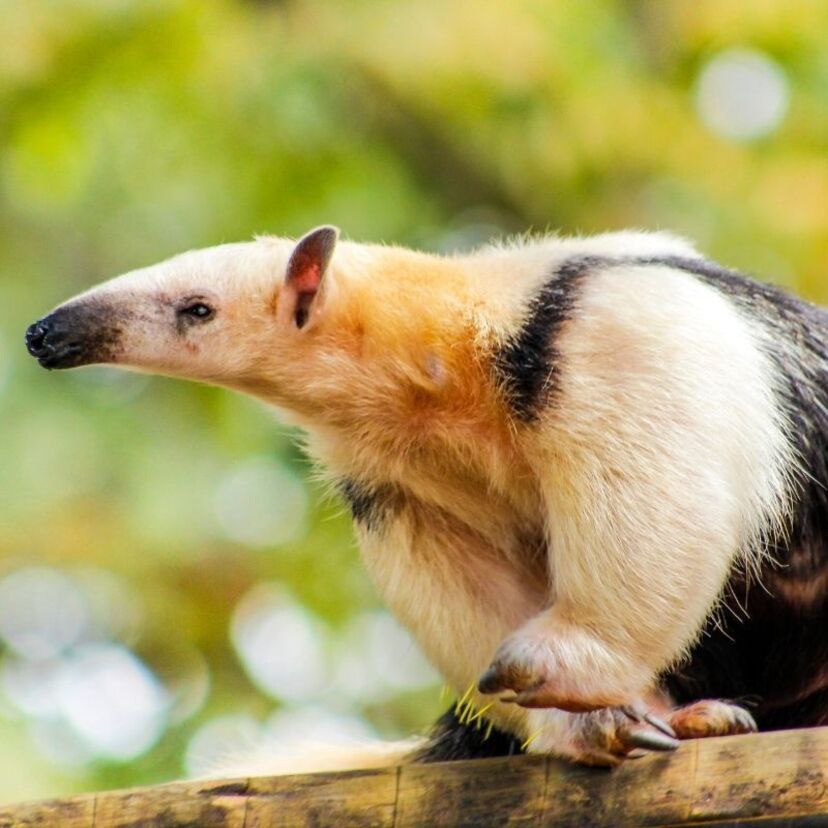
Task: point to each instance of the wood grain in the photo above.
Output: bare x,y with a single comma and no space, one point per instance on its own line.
769,780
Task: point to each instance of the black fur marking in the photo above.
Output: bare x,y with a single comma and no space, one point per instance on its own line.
370,506
528,365
450,739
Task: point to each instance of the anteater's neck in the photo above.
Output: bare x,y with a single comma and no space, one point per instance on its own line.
398,385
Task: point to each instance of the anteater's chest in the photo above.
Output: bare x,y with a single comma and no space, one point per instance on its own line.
485,487
461,569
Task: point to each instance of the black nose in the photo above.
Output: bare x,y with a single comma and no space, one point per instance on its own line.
49,344
36,338
77,333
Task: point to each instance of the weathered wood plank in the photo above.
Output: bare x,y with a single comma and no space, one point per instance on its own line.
771,774
467,793
768,780
77,812
358,799
180,805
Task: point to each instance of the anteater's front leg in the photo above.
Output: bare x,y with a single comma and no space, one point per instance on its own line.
460,596
635,574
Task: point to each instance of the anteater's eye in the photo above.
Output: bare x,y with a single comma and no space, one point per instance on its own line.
196,312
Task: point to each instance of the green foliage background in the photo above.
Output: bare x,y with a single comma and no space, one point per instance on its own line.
130,131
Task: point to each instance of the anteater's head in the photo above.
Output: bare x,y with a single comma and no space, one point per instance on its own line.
214,315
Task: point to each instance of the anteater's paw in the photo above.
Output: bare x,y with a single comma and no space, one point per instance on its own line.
711,717
536,667
523,667
605,738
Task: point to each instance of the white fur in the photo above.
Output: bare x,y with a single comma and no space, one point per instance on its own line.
311,757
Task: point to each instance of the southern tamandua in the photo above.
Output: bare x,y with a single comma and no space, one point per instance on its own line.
588,474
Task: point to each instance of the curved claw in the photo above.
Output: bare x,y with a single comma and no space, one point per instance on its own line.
650,740
631,711
533,697
746,721
640,715
659,724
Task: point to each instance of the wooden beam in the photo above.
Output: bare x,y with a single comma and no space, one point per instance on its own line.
768,780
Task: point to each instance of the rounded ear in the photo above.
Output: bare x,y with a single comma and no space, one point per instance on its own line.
306,268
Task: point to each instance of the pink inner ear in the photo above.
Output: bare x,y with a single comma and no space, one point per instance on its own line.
305,273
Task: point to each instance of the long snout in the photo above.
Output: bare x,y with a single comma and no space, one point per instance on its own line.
73,335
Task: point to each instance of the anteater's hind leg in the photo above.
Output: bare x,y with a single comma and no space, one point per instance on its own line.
710,717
